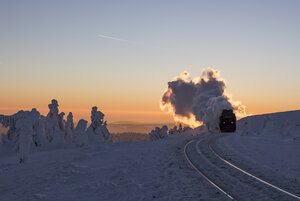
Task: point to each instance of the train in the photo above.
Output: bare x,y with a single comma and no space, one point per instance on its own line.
227,121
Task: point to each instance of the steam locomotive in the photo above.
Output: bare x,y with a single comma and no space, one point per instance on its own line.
227,121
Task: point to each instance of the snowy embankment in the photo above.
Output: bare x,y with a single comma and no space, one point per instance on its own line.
267,145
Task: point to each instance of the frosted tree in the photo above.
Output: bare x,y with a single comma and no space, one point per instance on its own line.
38,128
24,131
61,121
163,133
97,131
69,127
105,131
173,130
96,118
186,128
80,135
180,128
54,124
159,133
52,120
9,122
152,135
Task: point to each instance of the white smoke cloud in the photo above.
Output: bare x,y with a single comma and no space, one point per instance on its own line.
199,100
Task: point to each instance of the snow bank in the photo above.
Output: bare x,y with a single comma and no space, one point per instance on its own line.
282,123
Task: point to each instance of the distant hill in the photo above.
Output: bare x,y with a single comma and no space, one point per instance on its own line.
135,127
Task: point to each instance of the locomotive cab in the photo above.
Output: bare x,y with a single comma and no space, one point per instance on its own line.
227,121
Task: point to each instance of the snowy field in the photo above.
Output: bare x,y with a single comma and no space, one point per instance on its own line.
153,170
110,171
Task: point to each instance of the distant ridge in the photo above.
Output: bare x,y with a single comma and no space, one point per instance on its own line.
140,123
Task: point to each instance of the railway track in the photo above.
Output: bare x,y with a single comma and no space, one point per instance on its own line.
227,178
201,173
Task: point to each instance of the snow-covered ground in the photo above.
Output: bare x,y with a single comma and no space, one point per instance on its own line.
152,170
110,171
271,140
282,155
267,146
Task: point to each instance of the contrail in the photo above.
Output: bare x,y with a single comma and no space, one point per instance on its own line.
116,39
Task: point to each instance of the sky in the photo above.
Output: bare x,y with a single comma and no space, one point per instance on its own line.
120,55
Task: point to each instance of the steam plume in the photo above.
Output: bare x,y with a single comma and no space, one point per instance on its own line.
199,101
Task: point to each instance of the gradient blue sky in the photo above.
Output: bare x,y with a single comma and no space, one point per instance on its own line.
52,49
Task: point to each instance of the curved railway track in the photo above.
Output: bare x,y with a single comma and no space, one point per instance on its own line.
203,175
232,181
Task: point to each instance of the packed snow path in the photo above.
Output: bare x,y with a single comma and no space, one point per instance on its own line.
231,181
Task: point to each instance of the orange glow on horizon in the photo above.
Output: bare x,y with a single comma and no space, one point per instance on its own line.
110,115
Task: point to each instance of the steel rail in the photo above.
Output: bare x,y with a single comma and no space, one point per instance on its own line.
251,175
202,174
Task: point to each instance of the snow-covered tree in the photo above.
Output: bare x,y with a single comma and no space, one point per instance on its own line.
173,130
69,127
54,124
51,124
39,136
24,131
159,133
180,128
105,131
97,131
61,121
80,137
9,122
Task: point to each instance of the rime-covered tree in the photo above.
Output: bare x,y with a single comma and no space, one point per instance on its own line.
80,135
52,125
24,131
61,121
69,127
39,137
97,131
159,133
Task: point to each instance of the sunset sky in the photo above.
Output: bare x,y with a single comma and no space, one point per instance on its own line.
120,55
